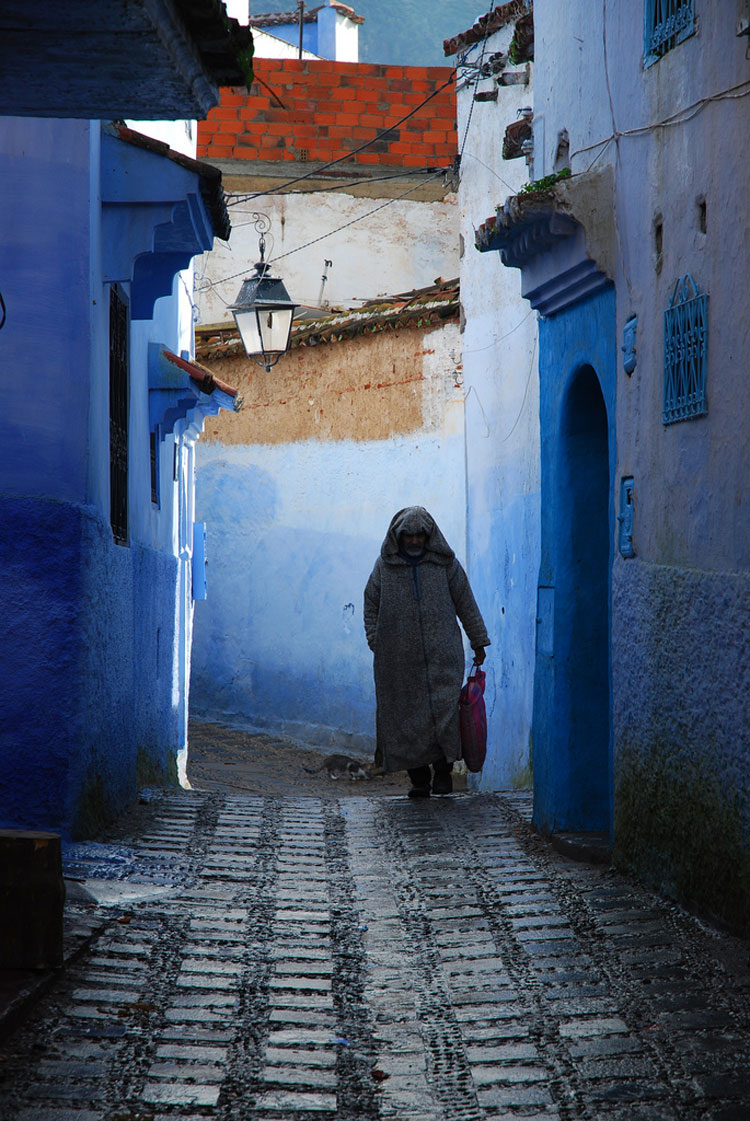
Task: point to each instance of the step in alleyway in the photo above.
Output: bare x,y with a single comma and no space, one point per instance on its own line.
294,959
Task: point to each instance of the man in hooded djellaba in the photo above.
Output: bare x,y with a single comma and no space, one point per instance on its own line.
415,593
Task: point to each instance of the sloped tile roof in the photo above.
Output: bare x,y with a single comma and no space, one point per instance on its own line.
128,59
310,15
486,25
423,307
210,176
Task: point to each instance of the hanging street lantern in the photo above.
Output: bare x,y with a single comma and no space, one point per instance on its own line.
264,312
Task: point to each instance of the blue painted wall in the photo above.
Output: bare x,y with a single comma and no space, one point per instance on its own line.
289,32
504,550
90,629
87,648
293,531
572,750
44,276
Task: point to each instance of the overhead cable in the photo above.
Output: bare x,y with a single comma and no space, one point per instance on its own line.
347,155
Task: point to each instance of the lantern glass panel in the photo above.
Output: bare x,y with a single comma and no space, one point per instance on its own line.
274,328
247,324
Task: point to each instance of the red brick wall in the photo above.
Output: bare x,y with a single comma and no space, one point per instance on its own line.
329,108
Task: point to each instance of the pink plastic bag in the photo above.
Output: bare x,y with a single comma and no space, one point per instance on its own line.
472,719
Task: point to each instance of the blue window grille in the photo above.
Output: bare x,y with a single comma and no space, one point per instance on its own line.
667,23
685,352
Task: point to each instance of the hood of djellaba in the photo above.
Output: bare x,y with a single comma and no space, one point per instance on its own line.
415,519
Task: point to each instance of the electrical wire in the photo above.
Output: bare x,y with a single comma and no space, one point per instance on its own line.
315,240
310,174
525,392
479,67
599,155
678,118
492,171
497,341
195,311
472,389
415,187
347,155
618,160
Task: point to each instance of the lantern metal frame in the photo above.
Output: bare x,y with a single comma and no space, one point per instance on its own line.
261,298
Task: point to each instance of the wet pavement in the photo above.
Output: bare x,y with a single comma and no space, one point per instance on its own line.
268,958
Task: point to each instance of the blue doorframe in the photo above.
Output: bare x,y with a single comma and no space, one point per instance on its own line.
572,721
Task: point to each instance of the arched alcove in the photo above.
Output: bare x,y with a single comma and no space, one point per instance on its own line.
582,614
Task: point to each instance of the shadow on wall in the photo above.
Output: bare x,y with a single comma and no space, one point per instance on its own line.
279,641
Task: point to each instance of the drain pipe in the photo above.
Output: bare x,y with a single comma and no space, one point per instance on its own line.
301,6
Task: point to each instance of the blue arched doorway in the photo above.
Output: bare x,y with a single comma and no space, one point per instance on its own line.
582,616
572,720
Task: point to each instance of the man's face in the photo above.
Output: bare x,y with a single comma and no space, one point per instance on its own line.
413,542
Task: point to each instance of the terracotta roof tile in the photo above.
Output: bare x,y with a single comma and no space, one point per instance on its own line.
423,307
280,19
204,379
486,25
210,176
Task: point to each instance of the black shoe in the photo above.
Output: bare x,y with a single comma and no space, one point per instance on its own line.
442,783
419,792
420,782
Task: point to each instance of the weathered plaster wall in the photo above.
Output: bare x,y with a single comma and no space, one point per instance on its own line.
365,388
129,730
90,630
502,431
665,173
680,607
682,669
295,525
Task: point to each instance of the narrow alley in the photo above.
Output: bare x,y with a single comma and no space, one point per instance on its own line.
365,957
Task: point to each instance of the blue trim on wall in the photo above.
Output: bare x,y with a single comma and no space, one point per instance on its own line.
572,724
666,26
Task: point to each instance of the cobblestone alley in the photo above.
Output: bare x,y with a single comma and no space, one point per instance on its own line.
376,958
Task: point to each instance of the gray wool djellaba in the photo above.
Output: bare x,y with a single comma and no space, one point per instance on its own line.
410,615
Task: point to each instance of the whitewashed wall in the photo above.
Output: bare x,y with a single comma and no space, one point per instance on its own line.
502,429
403,246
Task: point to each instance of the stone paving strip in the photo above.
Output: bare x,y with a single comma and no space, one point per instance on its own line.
380,958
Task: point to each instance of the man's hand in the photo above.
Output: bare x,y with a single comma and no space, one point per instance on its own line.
479,655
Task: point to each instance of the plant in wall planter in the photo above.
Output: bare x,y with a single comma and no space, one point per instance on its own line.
538,185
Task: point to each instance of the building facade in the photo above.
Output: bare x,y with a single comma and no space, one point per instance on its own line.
499,353
97,466
305,147
640,714
328,31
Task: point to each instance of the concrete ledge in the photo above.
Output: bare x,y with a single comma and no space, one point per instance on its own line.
588,848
